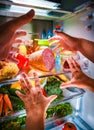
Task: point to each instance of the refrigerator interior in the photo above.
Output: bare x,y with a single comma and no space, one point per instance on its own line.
76,26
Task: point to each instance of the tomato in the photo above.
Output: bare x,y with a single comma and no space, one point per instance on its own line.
44,92
69,126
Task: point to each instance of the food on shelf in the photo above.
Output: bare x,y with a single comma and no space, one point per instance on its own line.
5,104
13,124
66,65
22,49
32,46
22,59
69,126
8,70
42,60
65,56
52,86
16,85
60,110
62,77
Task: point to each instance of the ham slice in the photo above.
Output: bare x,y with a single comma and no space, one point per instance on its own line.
43,60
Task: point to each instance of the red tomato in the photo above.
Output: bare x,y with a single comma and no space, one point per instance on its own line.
44,92
69,126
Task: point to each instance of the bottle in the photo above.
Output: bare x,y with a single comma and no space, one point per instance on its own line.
44,36
49,34
58,63
21,59
58,57
58,28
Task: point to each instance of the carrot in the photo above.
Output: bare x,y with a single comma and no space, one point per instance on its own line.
7,101
1,106
5,108
1,96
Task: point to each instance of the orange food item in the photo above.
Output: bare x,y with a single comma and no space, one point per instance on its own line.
7,101
1,106
1,96
5,104
43,60
5,108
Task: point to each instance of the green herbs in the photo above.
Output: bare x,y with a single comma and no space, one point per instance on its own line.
59,110
13,124
52,86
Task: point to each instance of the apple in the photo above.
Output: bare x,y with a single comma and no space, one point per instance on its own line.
69,126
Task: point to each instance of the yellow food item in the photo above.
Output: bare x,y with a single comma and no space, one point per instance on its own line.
63,77
22,49
8,71
16,85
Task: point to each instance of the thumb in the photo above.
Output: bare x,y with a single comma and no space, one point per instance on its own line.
20,21
65,85
51,98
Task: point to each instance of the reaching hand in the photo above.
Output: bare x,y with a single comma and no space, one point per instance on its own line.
79,79
33,97
62,42
9,35
35,103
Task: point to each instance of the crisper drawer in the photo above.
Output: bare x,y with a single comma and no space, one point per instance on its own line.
70,105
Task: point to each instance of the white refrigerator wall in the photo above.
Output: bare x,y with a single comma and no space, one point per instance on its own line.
76,26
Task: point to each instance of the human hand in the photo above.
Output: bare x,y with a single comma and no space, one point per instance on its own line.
9,35
63,42
79,79
34,100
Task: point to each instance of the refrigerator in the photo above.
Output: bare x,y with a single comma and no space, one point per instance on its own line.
75,19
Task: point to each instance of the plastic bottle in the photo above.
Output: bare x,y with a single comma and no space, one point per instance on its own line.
49,34
58,28
44,36
58,63
58,57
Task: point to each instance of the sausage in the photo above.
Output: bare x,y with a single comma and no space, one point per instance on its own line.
43,60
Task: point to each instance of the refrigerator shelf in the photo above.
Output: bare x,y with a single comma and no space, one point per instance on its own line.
74,118
70,94
12,80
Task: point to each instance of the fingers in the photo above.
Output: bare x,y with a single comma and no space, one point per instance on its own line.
25,83
37,81
74,66
19,34
20,95
20,21
65,85
50,99
54,43
18,40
